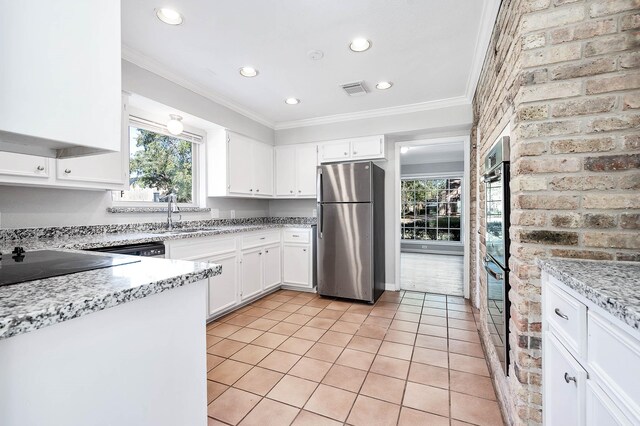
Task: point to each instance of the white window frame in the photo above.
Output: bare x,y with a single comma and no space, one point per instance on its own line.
446,175
143,120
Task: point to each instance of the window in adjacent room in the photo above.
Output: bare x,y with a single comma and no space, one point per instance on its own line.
431,209
160,164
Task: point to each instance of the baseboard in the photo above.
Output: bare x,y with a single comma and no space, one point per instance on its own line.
390,287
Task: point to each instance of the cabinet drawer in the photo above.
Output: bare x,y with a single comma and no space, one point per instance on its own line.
613,356
256,240
567,317
296,236
195,248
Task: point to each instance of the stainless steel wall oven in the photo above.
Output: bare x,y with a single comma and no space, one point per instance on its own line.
496,260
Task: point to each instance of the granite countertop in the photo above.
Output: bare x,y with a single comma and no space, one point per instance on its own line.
36,304
614,286
90,241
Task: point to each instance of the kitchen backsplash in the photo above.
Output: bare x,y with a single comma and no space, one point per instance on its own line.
71,231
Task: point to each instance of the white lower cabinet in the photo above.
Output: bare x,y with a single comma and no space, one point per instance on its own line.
297,263
565,382
251,276
590,361
223,288
272,260
252,264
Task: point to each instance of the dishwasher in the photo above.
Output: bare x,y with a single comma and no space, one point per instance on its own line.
143,249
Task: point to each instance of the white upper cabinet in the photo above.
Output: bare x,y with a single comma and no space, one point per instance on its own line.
285,171
61,77
22,168
296,170
366,148
238,166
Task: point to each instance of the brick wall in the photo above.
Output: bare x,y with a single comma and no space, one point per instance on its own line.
564,76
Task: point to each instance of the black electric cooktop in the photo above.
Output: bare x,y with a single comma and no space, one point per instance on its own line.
20,266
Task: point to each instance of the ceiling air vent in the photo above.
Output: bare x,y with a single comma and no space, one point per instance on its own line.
355,89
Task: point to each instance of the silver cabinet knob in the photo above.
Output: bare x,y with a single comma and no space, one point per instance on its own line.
257,190
346,153
568,378
67,171
299,191
251,190
290,192
560,314
304,249
266,251
40,168
355,152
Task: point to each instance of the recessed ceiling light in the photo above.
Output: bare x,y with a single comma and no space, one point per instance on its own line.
384,85
248,72
359,44
404,149
169,16
292,101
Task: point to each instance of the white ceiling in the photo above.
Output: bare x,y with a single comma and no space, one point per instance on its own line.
434,153
431,49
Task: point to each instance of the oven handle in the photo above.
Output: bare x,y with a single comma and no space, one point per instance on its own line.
492,176
498,276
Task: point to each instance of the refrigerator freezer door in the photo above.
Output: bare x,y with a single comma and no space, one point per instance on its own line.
345,251
345,183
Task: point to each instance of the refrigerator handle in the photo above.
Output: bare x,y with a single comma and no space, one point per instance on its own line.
319,200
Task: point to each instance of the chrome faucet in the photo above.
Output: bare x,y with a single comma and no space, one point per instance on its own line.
172,207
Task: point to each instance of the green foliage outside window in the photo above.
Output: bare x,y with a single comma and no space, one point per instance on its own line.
162,164
431,209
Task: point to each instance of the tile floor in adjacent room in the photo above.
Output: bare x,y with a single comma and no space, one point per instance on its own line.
296,358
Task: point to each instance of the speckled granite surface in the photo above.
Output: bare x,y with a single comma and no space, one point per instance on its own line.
36,304
156,210
614,286
88,237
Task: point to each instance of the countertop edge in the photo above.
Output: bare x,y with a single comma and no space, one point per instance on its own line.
609,303
22,324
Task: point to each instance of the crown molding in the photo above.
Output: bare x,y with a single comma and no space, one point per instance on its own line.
374,113
487,21
149,64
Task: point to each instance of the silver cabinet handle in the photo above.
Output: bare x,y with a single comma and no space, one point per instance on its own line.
67,171
560,314
295,236
568,378
40,168
346,153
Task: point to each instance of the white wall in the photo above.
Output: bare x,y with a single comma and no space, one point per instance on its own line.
292,208
430,168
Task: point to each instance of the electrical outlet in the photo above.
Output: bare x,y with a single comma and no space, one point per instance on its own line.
232,214
315,213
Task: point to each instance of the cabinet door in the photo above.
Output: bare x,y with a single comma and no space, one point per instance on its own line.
223,288
251,273
335,151
240,167
306,164
367,148
601,410
564,385
95,169
272,267
263,169
286,171
297,265
23,165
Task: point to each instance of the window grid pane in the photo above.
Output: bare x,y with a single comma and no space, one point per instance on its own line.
430,209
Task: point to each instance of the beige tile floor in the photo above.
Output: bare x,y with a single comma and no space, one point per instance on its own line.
295,358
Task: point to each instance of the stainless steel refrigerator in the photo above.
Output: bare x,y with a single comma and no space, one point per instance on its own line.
350,232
